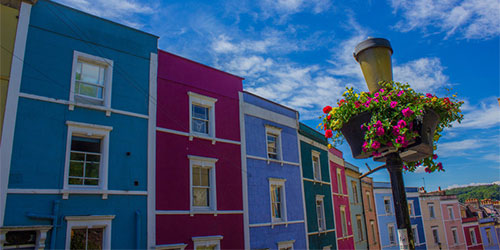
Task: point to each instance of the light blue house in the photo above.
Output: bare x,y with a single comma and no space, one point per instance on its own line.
274,209
388,230
356,201
77,151
488,234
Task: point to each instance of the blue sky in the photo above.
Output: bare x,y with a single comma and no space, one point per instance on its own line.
299,53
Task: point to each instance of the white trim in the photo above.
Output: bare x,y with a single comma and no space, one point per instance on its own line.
391,212
316,181
10,115
415,236
90,222
209,163
244,176
206,102
448,202
316,154
281,183
346,233
272,160
286,244
340,186
256,111
322,232
207,241
451,215
74,191
312,142
412,213
181,246
394,233
108,78
345,237
472,229
412,195
83,105
286,223
279,151
173,212
302,186
457,242
93,131
320,198
193,135
41,235
151,187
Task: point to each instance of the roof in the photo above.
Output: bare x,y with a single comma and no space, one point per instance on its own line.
312,134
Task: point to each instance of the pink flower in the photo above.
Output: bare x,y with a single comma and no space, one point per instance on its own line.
389,144
400,139
375,100
367,103
375,144
434,156
363,127
369,127
380,131
378,124
395,130
428,170
365,145
428,95
394,104
376,154
440,166
407,112
381,90
400,93
385,98
404,144
357,104
405,167
376,95
401,124
327,109
328,133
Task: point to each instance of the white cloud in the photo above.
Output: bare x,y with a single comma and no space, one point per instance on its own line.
420,169
469,19
483,116
472,184
423,74
454,148
285,8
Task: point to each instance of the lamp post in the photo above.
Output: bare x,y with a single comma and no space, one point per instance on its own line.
374,57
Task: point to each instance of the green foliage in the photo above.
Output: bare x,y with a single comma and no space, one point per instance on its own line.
476,192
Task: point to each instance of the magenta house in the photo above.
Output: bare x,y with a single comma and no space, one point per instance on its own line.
199,197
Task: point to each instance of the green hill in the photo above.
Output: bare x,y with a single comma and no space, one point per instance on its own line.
477,192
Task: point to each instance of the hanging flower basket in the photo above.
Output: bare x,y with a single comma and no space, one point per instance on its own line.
393,119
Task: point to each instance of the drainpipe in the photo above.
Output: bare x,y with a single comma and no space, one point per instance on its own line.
364,215
137,229
52,217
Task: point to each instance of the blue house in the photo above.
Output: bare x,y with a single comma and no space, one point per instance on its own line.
388,230
77,150
274,209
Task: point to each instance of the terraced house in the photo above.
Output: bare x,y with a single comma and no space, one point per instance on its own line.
356,203
317,189
74,152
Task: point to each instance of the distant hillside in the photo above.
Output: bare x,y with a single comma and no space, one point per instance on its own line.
478,192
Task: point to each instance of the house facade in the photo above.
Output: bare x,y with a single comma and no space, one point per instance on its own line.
472,233
356,202
273,174
77,132
433,220
370,213
387,220
488,233
317,189
199,175
452,221
341,205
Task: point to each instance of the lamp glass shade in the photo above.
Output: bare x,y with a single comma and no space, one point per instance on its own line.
375,62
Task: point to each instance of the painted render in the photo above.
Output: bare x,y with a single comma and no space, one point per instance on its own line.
370,213
177,220
383,192
313,142
355,200
430,202
39,195
345,238
488,224
265,233
471,226
450,210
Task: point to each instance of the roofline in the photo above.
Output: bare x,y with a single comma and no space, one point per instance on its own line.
204,65
281,105
104,19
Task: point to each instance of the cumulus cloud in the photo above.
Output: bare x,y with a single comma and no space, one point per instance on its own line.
468,19
482,116
423,74
472,184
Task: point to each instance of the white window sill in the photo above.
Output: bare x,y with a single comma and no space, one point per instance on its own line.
194,211
108,110
276,222
269,160
202,136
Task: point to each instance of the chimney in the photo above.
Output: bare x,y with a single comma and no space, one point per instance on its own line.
439,188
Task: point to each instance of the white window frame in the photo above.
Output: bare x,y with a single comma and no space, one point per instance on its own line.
41,235
97,221
322,224
204,162
415,234
277,132
454,234
431,208
91,131
451,215
436,229
343,218
489,238
278,182
368,198
359,224
108,79
339,181
327,247
180,246
374,235
354,187
207,241
387,198
316,172
207,102
390,228
472,234
286,244
411,207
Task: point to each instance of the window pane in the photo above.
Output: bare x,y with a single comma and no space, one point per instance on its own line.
78,238
95,238
92,170
200,197
14,238
78,75
93,158
91,182
76,169
200,126
77,156
205,248
85,144
196,176
75,181
277,212
200,112
90,73
205,177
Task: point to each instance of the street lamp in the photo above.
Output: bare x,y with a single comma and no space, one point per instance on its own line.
374,57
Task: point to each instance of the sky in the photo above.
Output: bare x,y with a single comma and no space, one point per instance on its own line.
299,53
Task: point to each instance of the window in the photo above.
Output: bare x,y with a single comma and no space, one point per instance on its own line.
360,227
411,209
273,140
203,193
392,236
450,212
320,212
278,201
488,236
368,201
455,235
435,235
387,205
339,181
327,248
354,192
431,210
286,245
86,156
344,220
88,232
178,246
374,235
201,115
25,237
472,234
207,242
91,80
415,234
316,165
